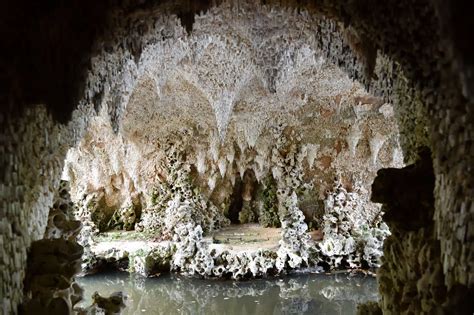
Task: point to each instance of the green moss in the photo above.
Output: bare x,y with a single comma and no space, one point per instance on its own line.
268,209
247,214
100,213
160,195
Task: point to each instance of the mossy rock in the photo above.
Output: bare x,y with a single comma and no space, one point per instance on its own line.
101,214
247,214
123,219
267,204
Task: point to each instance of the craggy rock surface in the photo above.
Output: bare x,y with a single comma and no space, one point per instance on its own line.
49,281
53,262
31,176
416,55
407,195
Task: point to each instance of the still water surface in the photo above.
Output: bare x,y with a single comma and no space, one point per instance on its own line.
295,294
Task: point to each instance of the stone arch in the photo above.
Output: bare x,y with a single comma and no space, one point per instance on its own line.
393,48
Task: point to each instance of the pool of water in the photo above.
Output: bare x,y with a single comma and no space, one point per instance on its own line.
295,294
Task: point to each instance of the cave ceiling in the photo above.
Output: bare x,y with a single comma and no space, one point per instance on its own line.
239,78
224,95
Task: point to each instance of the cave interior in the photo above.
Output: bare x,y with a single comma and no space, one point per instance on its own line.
237,140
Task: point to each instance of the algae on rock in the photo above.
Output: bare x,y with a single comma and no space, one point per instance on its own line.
268,204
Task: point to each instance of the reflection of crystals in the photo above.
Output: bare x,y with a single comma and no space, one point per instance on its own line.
316,294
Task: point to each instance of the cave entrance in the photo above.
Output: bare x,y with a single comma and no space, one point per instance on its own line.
242,206
194,153
248,213
236,202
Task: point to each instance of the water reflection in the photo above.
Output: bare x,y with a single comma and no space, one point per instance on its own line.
297,294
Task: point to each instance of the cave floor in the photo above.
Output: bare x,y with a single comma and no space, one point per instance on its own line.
237,238
249,237
246,237
121,242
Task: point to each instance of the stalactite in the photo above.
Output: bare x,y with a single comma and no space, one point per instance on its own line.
353,139
376,143
312,151
222,164
201,162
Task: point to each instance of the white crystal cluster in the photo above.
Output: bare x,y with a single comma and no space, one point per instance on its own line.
287,160
175,203
351,238
194,256
179,210
152,262
295,246
83,212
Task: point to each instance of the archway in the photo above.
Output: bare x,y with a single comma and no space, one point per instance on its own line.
411,80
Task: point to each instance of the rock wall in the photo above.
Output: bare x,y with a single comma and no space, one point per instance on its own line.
30,177
407,193
53,261
34,147
442,97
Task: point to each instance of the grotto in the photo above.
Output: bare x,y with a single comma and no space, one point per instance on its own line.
237,157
